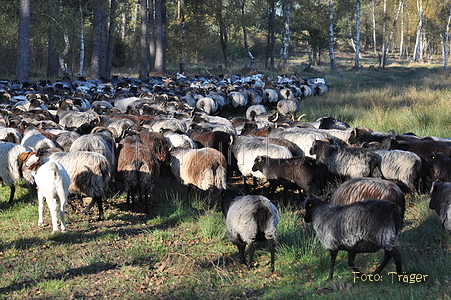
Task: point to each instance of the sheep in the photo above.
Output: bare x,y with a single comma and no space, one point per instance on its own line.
301,173
271,96
360,227
362,134
255,110
204,168
246,148
11,169
439,167
207,104
358,189
178,140
403,167
101,143
250,219
33,138
90,175
347,162
237,99
288,107
137,169
71,119
441,203
52,182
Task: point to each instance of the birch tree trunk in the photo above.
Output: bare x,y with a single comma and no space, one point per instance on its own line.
286,8
269,63
144,44
392,33
357,37
82,42
416,54
333,65
402,53
374,27
23,41
445,66
384,26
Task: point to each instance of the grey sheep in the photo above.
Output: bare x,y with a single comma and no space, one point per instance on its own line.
360,227
347,162
358,189
249,219
441,203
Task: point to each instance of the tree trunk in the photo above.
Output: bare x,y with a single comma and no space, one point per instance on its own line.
447,42
246,41
82,43
392,33
416,54
152,34
333,65
110,46
357,37
221,17
286,8
23,41
269,63
144,62
374,28
99,45
384,26
53,59
181,18
402,53
160,41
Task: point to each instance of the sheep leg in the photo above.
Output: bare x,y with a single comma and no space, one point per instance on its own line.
251,256
351,264
272,250
40,210
333,257
51,203
98,200
63,200
11,194
389,254
241,248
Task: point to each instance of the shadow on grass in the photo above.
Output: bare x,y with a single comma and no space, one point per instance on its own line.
66,275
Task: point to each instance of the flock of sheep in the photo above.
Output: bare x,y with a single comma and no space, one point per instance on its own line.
95,137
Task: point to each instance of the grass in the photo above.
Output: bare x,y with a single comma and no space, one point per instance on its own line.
180,250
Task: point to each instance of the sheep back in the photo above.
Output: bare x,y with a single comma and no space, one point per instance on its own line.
441,203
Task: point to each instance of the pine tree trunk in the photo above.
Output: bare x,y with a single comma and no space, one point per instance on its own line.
160,40
269,63
333,65
286,8
99,45
144,45
110,46
246,41
23,41
53,59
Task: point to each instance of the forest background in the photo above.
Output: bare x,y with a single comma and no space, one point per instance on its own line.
95,39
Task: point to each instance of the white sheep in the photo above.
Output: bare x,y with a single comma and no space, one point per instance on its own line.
52,182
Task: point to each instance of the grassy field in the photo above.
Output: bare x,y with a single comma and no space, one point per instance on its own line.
179,250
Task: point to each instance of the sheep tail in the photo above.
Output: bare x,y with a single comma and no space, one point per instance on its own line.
263,218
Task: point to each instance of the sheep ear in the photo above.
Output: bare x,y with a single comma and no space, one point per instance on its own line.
23,156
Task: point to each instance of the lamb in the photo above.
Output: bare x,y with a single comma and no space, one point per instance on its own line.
347,162
10,169
360,227
301,173
250,219
52,182
441,203
90,175
358,189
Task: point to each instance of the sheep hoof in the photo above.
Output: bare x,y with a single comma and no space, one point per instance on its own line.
41,224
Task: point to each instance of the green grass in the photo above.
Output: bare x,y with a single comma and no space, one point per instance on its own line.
180,250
